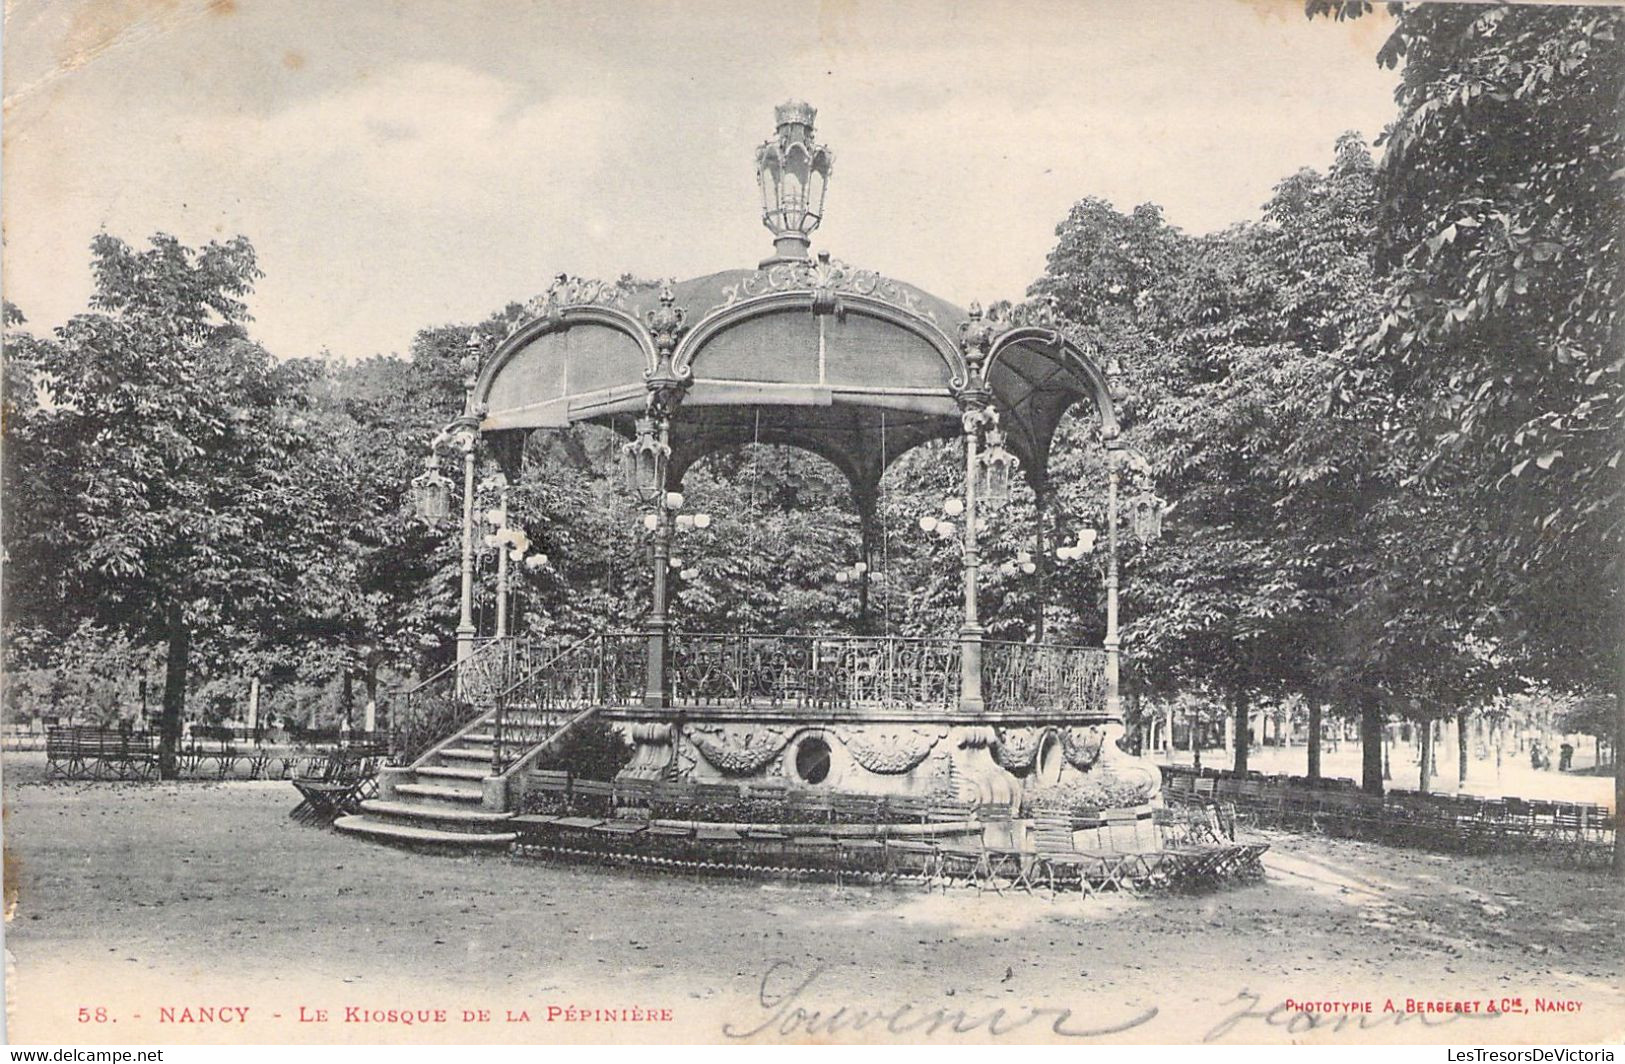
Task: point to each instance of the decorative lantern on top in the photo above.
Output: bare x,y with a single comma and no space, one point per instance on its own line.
644,463
793,172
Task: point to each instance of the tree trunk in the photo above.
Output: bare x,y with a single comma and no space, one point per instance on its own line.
1370,743
176,661
1314,738
1239,711
347,698
1196,738
1426,759
1461,748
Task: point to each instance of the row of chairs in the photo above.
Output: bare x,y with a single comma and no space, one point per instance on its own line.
552,790
771,827
78,753
339,782
94,753
1257,787
1580,830
714,827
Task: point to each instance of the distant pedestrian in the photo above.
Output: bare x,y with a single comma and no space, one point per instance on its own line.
1565,757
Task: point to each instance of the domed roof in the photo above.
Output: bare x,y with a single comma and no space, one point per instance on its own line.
803,350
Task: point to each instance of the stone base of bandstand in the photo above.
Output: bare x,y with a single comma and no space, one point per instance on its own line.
984,764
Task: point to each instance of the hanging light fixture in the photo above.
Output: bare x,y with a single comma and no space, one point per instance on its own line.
1146,511
994,470
431,493
644,461
852,573
1085,545
1023,562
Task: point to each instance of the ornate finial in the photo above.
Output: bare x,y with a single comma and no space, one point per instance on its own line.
667,322
793,172
976,336
473,350
795,113
824,276
1115,386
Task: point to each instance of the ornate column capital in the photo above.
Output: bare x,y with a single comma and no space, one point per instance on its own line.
667,323
976,336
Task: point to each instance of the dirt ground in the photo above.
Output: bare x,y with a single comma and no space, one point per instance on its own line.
148,900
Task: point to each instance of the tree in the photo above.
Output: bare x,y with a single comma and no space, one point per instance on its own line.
1500,194
173,440
1229,344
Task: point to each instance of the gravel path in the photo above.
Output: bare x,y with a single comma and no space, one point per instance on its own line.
143,898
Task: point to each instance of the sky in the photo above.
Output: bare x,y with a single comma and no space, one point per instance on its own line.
402,164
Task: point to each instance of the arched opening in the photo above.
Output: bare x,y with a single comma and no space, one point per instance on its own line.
784,529
1071,584
566,495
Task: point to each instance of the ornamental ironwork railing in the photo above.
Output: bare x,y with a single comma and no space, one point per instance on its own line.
600,670
819,672
1043,677
435,708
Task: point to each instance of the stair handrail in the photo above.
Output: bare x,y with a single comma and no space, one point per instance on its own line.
529,757
499,766
572,648
485,644
466,727
496,644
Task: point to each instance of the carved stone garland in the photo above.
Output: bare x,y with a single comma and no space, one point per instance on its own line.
1017,748
891,751
738,753
1082,745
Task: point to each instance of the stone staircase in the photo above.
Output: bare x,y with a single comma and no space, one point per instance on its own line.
450,798
457,795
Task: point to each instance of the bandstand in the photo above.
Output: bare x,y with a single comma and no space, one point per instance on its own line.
805,351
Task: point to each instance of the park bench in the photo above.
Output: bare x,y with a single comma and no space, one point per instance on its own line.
100,753
592,797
